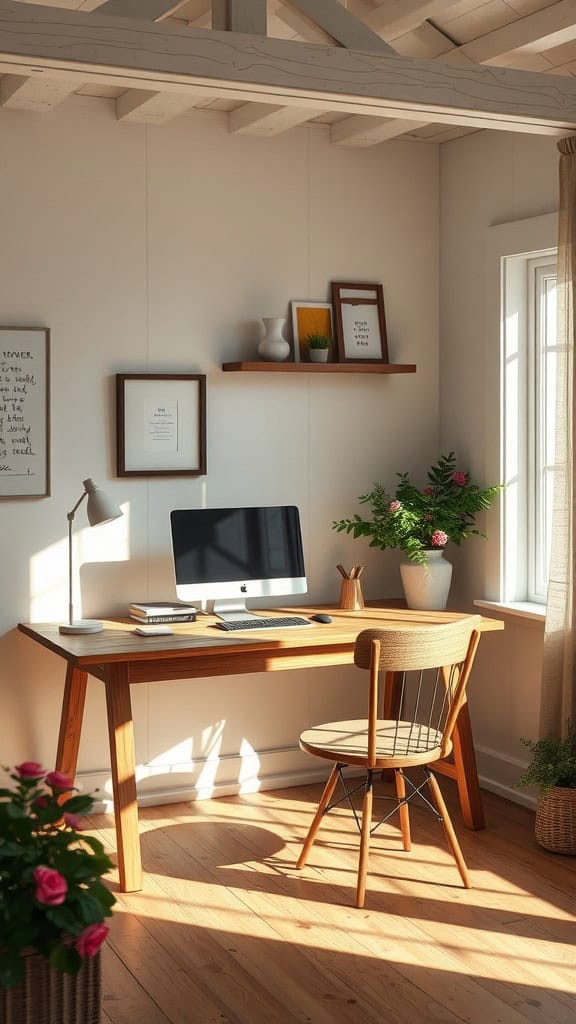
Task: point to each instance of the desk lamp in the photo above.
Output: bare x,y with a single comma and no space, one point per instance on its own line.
99,509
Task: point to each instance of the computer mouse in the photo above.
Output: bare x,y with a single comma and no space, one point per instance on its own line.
321,618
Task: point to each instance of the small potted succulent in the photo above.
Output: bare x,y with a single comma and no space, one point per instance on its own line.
552,770
318,347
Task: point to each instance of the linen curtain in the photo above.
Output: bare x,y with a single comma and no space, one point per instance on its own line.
558,701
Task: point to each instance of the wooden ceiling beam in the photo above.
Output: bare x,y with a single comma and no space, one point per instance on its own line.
20,92
265,120
555,23
239,16
396,17
149,10
549,27
298,22
363,131
139,54
341,25
139,106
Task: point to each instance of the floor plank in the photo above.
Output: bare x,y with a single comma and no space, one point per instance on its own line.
227,931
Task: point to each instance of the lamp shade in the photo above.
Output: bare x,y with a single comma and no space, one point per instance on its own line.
99,508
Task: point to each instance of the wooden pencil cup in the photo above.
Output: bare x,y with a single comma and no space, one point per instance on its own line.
351,595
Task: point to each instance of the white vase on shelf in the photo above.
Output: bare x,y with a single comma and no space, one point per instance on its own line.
427,586
274,348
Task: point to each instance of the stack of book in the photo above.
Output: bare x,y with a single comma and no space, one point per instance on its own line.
162,611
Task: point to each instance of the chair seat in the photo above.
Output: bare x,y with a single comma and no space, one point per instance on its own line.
398,743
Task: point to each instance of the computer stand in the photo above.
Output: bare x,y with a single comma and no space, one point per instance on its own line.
232,609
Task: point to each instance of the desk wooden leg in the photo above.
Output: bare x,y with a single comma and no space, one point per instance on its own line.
71,721
467,772
123,763
464,771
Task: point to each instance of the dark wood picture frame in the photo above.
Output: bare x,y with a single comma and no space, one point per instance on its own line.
161,424
25,412
352,335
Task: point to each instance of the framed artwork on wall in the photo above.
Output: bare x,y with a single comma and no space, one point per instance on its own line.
310,318
24,412
360,322
161,424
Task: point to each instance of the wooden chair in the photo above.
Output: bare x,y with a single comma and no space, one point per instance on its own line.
427,670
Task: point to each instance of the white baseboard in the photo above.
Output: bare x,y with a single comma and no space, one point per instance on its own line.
231,774
224,775
498,773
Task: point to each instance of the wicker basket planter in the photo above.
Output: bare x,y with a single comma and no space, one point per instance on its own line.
556,820
47,996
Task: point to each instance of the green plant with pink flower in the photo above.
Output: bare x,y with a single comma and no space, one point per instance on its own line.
52,899
418,520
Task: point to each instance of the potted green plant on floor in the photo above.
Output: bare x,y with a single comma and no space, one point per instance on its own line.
552,770
52,901
318,347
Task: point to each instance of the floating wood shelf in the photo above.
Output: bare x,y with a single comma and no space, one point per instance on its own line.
263,367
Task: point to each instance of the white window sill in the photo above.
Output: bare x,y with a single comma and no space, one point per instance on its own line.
521,609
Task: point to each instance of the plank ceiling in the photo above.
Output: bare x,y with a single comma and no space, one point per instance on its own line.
533,35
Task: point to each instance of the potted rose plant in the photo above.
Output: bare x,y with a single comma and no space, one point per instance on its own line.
420,521
52,900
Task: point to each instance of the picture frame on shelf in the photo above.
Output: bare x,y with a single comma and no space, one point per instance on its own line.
25,412
161,424
360,322
311,318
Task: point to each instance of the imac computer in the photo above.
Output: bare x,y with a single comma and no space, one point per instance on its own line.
227,555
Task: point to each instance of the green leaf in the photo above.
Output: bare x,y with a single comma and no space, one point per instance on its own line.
103,895
94,844
15,812
11,968
80,804
90,909
66,958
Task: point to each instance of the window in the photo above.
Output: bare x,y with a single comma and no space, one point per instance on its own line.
529,352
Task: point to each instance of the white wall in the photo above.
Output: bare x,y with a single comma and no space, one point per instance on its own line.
487,179
158,250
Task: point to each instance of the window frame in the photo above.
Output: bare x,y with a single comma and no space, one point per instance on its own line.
521,378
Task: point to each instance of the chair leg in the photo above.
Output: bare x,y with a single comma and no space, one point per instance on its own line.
404,812
324,801
365,840
449,830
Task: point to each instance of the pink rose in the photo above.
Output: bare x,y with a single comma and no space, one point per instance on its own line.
58,780
30,770
394,506
51,886
428,491
459,478
89,942
439,539
40,803
73,821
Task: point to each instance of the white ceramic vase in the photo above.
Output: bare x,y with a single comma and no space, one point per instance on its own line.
427,586
274,348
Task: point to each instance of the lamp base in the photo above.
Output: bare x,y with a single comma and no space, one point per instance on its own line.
82,626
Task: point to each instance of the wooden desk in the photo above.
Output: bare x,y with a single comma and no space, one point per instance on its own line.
118,658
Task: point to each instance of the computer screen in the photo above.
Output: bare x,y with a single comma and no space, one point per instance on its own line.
227,555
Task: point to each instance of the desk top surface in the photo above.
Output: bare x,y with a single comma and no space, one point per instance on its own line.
118,642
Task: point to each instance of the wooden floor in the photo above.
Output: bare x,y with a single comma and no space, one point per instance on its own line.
226,930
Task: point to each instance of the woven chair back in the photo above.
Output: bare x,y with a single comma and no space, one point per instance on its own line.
432,666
